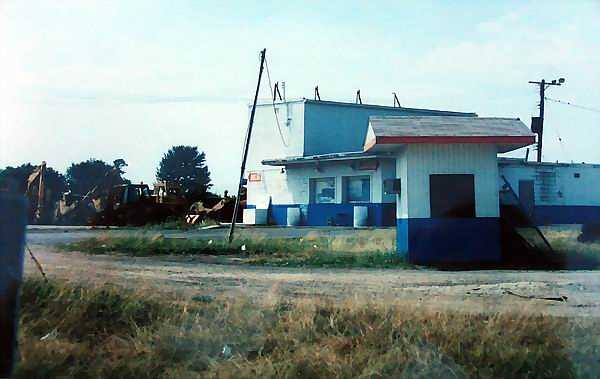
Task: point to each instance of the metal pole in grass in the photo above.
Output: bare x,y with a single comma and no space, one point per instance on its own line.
236,208
12,239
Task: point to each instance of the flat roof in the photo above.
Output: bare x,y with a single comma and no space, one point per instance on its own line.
507,133
505,161
367,106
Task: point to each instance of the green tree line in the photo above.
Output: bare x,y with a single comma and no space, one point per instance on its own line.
184,165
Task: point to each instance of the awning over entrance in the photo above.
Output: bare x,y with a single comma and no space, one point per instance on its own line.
507,134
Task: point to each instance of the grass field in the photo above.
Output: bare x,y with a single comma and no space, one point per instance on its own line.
373,249
71,330
365,250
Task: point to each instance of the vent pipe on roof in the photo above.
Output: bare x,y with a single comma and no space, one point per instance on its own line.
358,99
317,95
396,101
276,92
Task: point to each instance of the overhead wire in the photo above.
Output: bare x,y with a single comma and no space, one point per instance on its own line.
560,141
273,103
573,105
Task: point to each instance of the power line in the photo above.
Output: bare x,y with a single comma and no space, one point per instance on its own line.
573,105
273,103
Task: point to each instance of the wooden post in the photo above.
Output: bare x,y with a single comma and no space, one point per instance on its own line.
12,239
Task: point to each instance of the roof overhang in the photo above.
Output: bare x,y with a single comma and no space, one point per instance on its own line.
323,158
504,143
391,133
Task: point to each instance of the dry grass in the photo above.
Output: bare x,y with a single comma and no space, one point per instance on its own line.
75,331
576,253
364,250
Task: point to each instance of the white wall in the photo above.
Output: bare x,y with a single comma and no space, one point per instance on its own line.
292,186
556,184
267,143
401,173
417,162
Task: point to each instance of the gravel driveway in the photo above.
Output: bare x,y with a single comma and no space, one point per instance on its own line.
476,291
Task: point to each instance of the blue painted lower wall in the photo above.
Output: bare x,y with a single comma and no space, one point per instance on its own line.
431,240
380,214
384,214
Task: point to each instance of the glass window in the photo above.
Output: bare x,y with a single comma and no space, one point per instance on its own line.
322,190
357,189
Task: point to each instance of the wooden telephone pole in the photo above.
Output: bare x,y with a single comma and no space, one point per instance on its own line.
537,123
236,209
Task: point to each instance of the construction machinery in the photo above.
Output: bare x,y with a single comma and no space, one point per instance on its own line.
221,211
135,204
110,204
40,211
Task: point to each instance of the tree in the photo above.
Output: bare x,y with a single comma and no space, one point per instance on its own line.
82,177
186,166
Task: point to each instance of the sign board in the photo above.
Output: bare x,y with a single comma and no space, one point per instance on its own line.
254,177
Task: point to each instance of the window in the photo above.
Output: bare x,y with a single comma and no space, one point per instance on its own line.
452,196
357,189
322,190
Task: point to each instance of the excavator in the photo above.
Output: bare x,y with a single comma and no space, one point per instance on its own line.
36,194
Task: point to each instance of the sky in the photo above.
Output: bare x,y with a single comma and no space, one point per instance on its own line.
130,79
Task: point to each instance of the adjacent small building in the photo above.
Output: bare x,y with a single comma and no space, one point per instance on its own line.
447,167
555,193
433,174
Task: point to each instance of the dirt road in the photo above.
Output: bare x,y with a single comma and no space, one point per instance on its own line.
476,291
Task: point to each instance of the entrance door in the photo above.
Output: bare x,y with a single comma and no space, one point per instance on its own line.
527,196
452,195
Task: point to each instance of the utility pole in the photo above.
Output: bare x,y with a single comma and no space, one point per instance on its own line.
537,123
263,54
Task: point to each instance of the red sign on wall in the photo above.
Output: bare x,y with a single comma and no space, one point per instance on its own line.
254,177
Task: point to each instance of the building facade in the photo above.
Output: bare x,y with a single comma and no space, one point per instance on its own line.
434,175
309,154
555,193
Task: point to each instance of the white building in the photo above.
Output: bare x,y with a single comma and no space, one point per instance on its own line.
433,174
555,193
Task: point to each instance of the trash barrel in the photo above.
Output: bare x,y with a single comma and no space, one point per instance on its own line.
361,216
253,216
293,216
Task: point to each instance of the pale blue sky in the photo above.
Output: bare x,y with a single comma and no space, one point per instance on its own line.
129,79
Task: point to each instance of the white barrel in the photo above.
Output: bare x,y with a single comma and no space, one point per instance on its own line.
261,217
249,216
254,216
361,216
293,216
